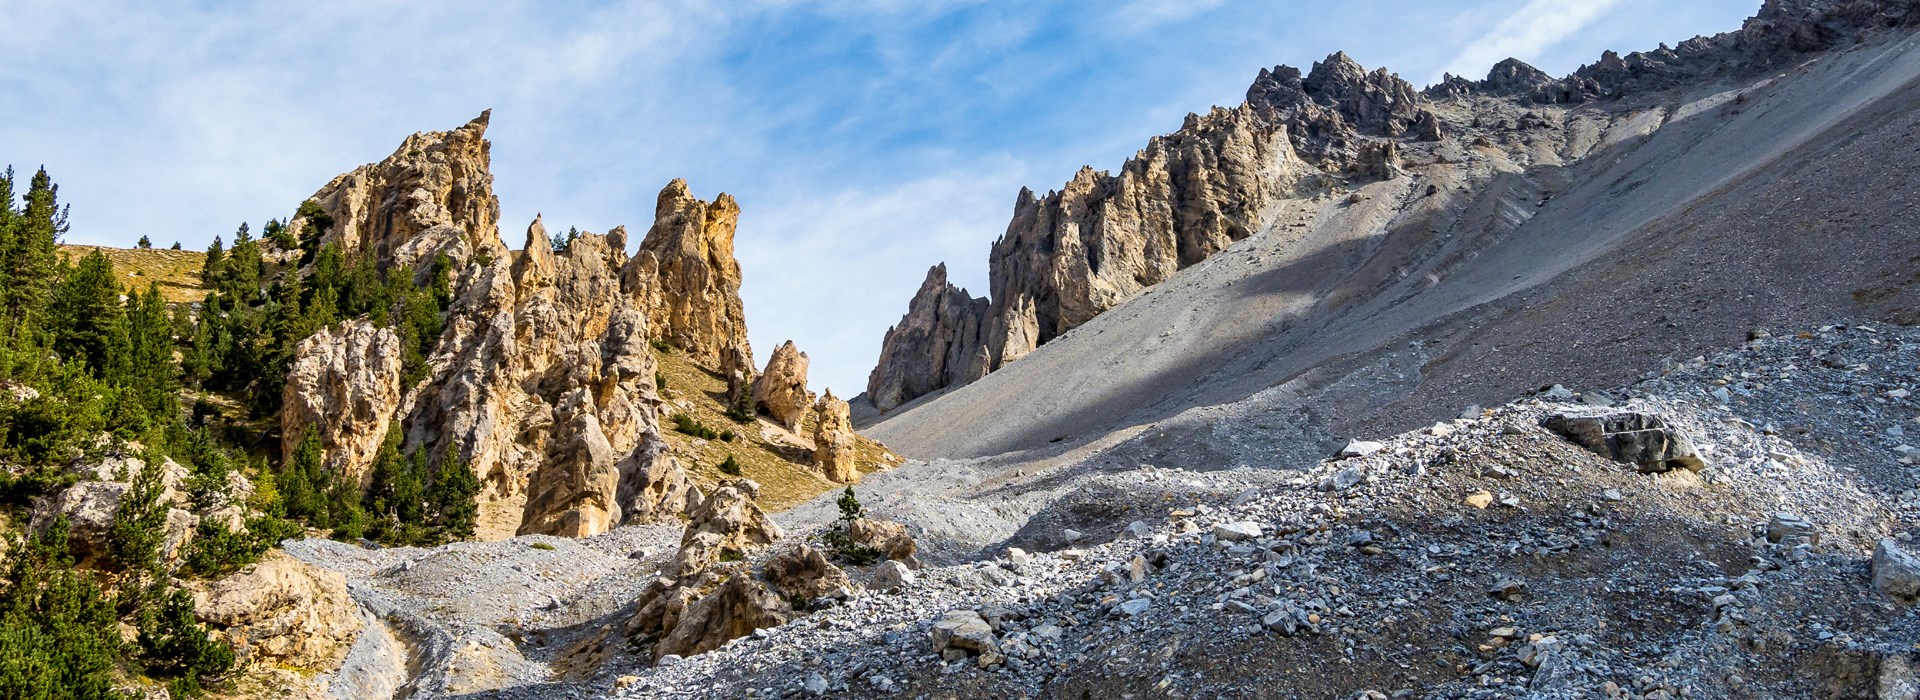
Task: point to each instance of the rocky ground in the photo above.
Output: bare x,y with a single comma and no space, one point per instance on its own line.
1485,556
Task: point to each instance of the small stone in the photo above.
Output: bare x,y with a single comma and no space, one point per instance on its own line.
1612,495
1139,529
1137,569
990,659
1897,394
1789,529
1557,393
891,575
1018,557
1071,535
1343,479
1480,499
1237,531
816,684
1361,448
1135,606
624,682
1507,589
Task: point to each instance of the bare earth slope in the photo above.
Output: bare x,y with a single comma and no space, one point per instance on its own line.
1673,222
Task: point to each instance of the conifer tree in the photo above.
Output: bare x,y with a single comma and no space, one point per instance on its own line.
298,490
214,264
452,495
29,260
85,311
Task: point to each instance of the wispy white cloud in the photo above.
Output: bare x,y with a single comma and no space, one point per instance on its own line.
1527,32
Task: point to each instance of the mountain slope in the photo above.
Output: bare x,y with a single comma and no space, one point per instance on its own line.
1525,225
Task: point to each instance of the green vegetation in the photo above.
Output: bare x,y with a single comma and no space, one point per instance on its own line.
541,546
560,243
58,631
839,538
686,424
88,368
731,466
414,505
740,409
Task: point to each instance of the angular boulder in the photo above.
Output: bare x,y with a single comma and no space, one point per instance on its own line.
1896,571
805,572
1641,439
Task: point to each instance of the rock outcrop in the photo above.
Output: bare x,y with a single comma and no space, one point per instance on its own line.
433,195
89,506
727,520
713,595
344,383
940,342
781,391
686,280
548,389
1640,439
833,440
283,611
544,377
887,536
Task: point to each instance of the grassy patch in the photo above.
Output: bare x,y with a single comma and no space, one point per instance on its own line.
760,450
176,271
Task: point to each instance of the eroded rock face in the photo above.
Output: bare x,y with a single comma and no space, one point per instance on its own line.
344,383
781,391
1079,251
685,277
433,195
549,390
1074,253
833,440
543,379
728,520
283,611
1328,111
940,342
711,599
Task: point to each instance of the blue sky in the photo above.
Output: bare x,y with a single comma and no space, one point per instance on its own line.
865,141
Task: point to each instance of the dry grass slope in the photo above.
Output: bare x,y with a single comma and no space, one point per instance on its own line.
176,271
767,453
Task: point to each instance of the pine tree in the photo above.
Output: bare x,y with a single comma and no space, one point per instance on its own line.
347,518
452,495
298,490
29,251
215,264
85,310
145,243
174,645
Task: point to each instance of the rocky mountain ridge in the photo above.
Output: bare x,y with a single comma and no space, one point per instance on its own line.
1103,239
546,376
